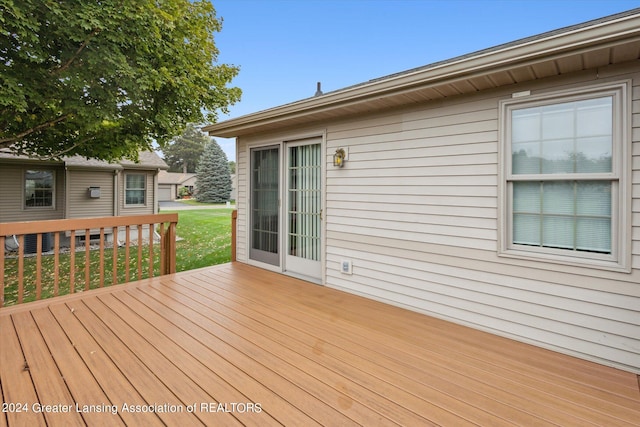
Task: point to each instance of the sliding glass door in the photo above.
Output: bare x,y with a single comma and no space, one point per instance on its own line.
304,208
287,234
264,204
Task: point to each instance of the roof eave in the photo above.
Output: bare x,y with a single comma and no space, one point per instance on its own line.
601,34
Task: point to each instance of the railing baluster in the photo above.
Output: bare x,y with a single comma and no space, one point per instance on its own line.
162,249
101,257
56,262
32,276
38,265
20,268
151,250
126,253
139,251
87,255
114,234
72,261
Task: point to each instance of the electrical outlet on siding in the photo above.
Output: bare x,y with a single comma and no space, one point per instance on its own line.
346,266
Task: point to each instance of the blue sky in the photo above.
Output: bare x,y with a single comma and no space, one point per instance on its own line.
283,47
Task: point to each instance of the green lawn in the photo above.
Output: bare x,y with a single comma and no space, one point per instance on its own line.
205,239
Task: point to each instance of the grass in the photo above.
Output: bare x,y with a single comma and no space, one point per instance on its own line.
205,239
194,202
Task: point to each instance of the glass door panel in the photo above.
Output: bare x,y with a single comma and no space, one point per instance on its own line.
265,218
304,209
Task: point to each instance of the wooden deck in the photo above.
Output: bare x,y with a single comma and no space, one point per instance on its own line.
236,345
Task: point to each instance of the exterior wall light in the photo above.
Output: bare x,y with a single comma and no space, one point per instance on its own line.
339,157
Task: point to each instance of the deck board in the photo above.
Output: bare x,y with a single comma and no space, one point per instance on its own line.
306,354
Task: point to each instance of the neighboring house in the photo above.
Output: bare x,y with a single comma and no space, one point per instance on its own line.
499,189
75,187
170,183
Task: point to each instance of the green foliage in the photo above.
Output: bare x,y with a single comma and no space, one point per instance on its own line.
213,183
185,149
105,79
183,191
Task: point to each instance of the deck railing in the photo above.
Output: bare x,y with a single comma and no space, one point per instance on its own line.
86,251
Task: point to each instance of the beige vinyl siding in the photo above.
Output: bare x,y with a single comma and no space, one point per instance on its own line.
12,198
242,171
415,209
148,208
80,204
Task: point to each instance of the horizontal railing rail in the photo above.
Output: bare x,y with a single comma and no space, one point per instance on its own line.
87,250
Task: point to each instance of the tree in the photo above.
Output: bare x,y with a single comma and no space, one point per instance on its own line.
213,184
185,150
105,79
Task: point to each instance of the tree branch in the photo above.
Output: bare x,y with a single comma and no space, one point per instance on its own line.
84,44
5,142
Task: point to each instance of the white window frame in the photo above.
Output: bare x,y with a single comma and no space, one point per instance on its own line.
620,257
53,189
127,188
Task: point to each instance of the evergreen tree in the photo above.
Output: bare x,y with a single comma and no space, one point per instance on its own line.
185,150
213,183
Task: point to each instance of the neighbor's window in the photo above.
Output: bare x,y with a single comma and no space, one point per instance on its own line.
564,181
135,189
39,188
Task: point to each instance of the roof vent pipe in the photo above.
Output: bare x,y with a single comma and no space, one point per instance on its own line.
318,90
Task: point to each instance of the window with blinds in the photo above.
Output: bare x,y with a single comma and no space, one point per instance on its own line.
563,159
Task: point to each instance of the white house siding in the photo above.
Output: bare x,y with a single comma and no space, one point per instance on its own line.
80,204
12,200
416,211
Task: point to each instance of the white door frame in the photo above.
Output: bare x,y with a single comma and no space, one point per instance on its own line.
283,143
305,259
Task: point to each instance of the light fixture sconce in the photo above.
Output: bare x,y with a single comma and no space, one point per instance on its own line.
339,157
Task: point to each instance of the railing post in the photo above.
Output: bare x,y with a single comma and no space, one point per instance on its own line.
234,222
169,238
1,271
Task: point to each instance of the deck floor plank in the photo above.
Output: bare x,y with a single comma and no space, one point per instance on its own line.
228,385
249,357
379,317
167,373
551,387
230,361
376,399
117,388
48,382
359,354
307,354
214,389
402,390
143,379
17,385
78,378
